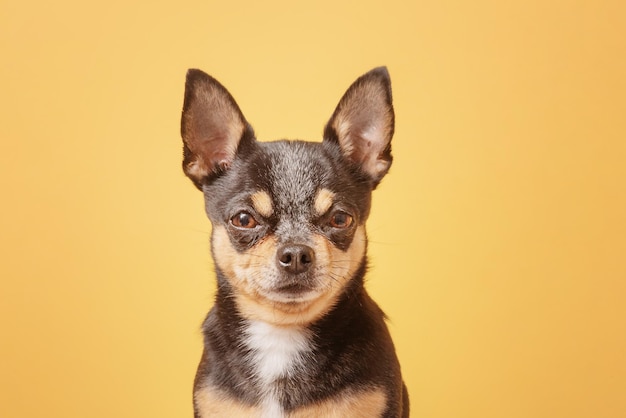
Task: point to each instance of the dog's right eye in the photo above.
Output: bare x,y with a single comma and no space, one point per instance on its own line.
243,220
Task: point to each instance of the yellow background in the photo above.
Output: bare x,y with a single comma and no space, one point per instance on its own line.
497,240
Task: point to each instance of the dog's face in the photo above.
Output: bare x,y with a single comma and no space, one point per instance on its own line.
287,229
288,216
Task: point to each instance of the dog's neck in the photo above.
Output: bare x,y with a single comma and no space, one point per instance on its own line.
276,352
264,360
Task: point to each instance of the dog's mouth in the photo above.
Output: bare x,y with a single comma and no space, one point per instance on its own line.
295,288
292,292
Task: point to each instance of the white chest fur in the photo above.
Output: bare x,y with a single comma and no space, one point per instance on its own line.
275,352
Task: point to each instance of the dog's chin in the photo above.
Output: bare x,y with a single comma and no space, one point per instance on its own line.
291,294
286,302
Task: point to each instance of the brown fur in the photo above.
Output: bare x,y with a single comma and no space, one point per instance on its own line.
254,306
293,332
212,402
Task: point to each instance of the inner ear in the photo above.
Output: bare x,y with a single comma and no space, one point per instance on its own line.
363,123
212,127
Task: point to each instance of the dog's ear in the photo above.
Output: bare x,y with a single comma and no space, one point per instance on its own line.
212,127
363,124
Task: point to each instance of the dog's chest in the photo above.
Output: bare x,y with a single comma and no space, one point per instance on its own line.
275,353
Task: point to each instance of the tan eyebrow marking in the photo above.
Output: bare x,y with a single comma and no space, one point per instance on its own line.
262,203
323,201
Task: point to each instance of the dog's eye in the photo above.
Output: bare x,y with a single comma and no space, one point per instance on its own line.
243,220
340,220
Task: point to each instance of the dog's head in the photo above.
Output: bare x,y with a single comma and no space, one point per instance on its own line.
288,216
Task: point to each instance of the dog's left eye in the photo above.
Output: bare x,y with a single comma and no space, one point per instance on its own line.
243,220
340,220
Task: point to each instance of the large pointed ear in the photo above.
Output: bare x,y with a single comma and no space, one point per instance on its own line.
212,127
363,124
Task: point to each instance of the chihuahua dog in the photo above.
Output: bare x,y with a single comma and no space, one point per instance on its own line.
293,332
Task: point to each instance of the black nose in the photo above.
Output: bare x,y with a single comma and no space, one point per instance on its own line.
295,258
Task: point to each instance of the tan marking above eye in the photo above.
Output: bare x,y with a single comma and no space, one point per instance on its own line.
323,201
262,203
